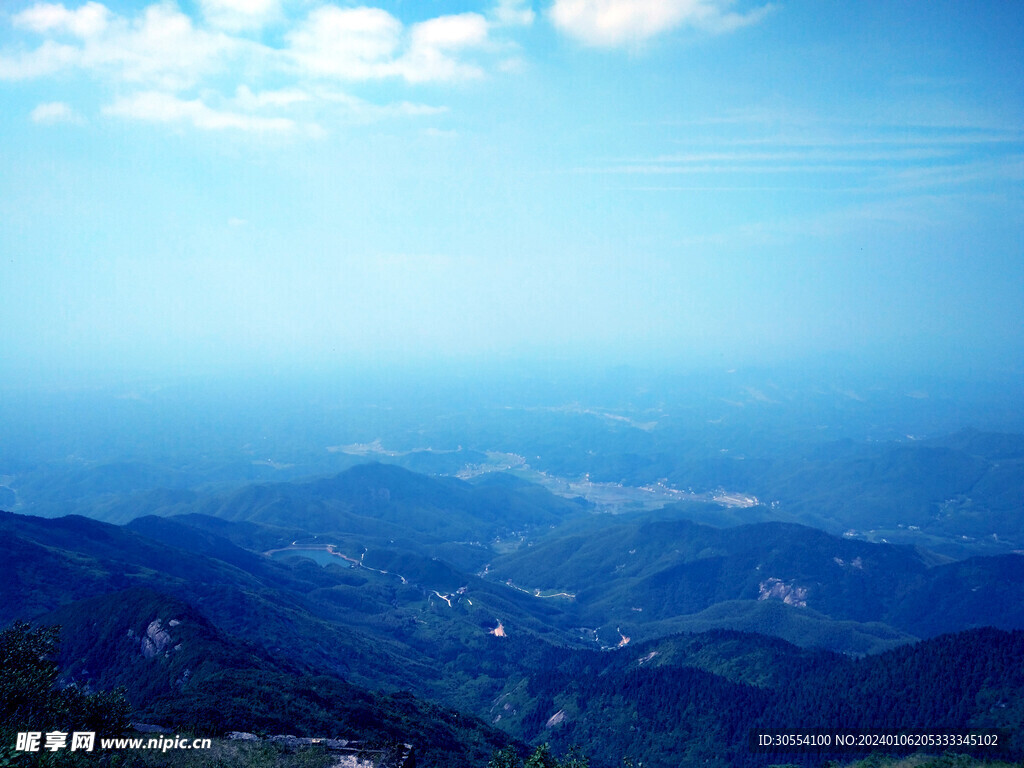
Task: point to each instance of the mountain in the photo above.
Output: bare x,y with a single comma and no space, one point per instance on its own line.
459,616
384,500
181,671
669,701
642,576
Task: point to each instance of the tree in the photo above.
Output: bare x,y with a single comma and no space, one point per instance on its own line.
541,758
505,758
27,673
31,700
575,758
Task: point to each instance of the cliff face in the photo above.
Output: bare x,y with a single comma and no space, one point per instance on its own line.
156,639
787,592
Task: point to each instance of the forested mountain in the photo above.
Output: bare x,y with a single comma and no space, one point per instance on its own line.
385,602
641,572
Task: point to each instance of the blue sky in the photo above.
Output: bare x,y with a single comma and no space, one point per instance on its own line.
218,184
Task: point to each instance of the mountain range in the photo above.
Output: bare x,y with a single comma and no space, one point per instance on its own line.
460,616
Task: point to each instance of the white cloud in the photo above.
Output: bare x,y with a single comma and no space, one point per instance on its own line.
438,133
54,112
88,21
246,99
204,71
365,110
161,47
348,43
434,43
47,59
159,107
451,32
513,13
613,23
367,43
240,15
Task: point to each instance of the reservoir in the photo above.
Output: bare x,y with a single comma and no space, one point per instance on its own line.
320,556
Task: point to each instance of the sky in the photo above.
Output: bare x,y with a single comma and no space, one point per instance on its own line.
207,185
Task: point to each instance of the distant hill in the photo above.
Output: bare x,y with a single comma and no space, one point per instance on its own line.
383,500
635,573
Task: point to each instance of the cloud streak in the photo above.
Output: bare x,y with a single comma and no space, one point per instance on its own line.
869,158
154,106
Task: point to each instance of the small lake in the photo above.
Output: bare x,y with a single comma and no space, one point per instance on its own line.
320,556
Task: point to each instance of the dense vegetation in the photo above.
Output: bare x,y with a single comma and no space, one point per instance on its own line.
32,701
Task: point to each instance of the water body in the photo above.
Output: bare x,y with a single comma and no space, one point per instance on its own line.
319,556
